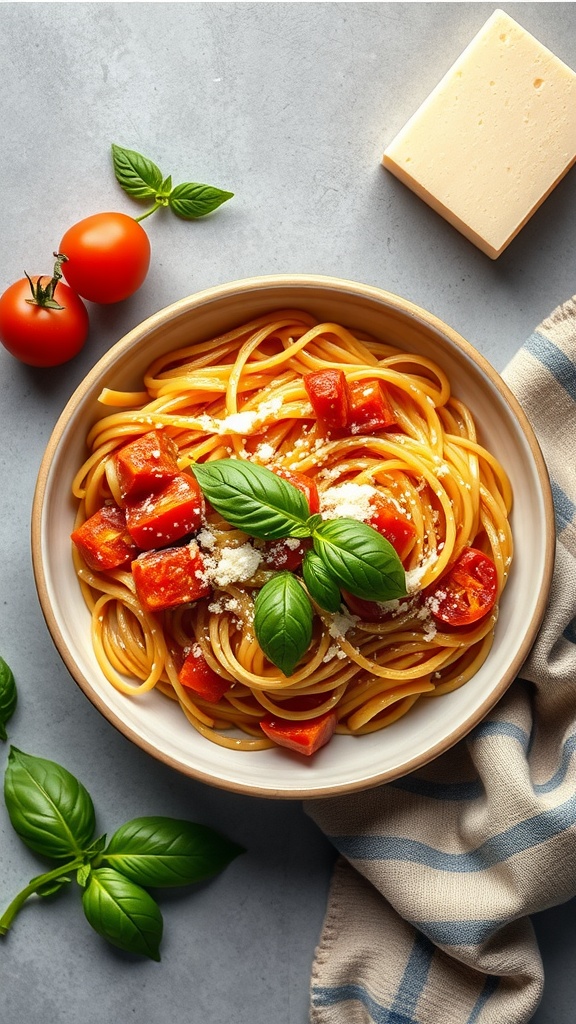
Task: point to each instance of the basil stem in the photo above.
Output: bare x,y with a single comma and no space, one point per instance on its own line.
42,885
8,697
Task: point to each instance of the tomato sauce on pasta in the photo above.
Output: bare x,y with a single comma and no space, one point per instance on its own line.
243,395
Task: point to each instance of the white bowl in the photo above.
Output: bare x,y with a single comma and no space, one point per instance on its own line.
346,764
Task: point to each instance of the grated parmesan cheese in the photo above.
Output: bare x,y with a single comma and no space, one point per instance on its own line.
414,576
351,501
341,623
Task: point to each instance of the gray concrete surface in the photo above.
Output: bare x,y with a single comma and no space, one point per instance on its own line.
289,105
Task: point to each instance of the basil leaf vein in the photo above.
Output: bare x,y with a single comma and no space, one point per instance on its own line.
136,174
192,200
253,498
159,851
321,585
363,561
283,621
122,912
48,807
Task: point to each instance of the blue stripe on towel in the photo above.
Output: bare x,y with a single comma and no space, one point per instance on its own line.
496,728
522,836
329,996
554,359
570,632
489,989
460,933
462,791
414,978
455,792
564,507
409,990
557,779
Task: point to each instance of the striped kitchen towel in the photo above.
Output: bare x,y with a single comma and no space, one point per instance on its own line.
428,917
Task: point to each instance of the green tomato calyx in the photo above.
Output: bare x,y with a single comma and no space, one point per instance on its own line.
43,295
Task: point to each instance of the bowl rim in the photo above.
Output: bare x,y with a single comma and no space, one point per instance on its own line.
260,284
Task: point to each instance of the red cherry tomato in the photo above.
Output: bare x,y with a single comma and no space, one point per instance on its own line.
467,592
108,255
37,334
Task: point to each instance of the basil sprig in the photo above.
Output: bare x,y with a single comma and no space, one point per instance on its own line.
53,814
347,554
8,697
142,179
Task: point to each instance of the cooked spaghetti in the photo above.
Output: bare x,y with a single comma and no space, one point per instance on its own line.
243,395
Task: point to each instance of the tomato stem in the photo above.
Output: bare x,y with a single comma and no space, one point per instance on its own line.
43,295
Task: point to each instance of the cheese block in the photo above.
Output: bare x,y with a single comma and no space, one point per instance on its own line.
493,138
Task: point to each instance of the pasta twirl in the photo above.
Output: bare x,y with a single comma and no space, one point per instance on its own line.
243,396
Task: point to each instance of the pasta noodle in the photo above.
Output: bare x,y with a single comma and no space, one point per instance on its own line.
242,396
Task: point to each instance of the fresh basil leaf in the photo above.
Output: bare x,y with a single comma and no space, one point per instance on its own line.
363,561
192,200
123,913
137,175
8,697
48,807
320,583
253,498
158,851
283,621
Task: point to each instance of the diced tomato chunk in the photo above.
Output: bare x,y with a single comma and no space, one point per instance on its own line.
304,483
197,675
328,395
369,407
170,577
467,592
287,553
103,540
145,466
395,527
161,519
368,611
305,736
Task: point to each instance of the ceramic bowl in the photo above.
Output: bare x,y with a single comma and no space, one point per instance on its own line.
346,764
